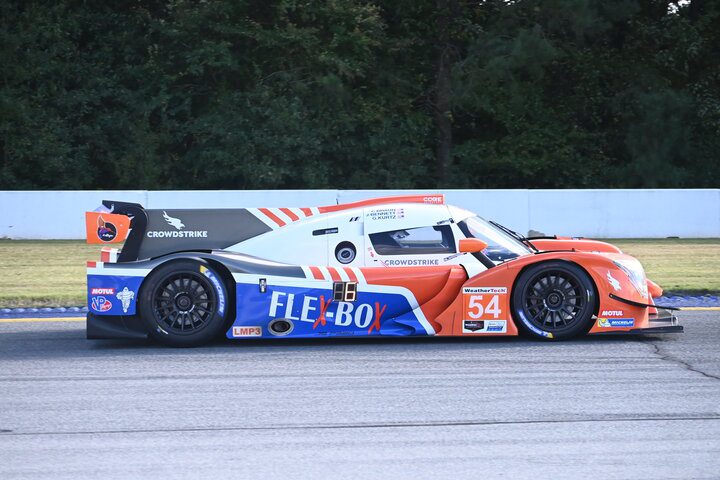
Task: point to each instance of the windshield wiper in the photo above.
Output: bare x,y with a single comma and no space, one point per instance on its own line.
515,235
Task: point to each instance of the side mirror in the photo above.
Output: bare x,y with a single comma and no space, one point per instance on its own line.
471,245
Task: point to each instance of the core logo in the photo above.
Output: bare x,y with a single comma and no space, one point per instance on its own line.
246,331
434,199
102,291
612,313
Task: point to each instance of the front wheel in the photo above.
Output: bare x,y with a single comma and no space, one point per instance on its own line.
184,303
554,300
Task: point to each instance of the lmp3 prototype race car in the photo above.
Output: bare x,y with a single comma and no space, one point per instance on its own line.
396,266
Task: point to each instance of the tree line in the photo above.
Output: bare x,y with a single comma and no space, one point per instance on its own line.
232,94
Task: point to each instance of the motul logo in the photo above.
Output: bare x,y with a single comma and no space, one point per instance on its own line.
612,313
102,291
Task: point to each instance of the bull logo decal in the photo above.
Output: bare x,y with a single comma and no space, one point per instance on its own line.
613,281
173,222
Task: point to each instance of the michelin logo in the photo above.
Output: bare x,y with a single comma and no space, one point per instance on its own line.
218,287
616,322
125,296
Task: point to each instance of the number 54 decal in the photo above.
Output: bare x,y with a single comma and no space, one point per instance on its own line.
476,310
483,303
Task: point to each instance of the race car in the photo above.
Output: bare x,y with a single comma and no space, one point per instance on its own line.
393,266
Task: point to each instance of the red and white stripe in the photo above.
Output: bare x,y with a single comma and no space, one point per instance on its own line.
279,217
109,255
335,274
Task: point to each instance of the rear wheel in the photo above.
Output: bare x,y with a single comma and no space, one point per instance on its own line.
184,303
554,300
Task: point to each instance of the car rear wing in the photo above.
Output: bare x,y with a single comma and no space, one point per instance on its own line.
118,222
150,233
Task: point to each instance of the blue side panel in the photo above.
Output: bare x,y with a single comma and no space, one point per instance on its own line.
113,295
312,313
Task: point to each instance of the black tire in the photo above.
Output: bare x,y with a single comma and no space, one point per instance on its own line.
554,300
184,303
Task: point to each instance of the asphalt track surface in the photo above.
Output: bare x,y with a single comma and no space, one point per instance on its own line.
620,407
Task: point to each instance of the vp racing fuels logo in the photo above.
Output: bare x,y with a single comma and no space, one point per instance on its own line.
101,304
178,225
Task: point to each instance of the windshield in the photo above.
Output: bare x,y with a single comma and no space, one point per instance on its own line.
501,246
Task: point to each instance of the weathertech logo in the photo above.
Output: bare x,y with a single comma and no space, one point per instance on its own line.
178,232
490,290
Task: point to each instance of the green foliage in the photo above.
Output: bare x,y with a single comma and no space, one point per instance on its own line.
348,94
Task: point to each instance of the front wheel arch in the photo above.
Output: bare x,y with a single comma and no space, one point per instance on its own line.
593,306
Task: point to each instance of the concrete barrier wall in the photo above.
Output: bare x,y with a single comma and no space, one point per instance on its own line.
589,213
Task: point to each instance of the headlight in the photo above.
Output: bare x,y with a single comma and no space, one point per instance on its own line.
635,273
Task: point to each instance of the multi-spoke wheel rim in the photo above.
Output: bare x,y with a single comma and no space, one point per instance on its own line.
554,300
184,303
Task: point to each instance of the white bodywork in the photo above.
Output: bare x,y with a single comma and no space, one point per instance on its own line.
313,240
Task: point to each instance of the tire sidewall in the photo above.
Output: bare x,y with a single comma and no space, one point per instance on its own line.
581,326
216,324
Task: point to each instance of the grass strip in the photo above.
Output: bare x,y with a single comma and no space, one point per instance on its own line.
51,273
